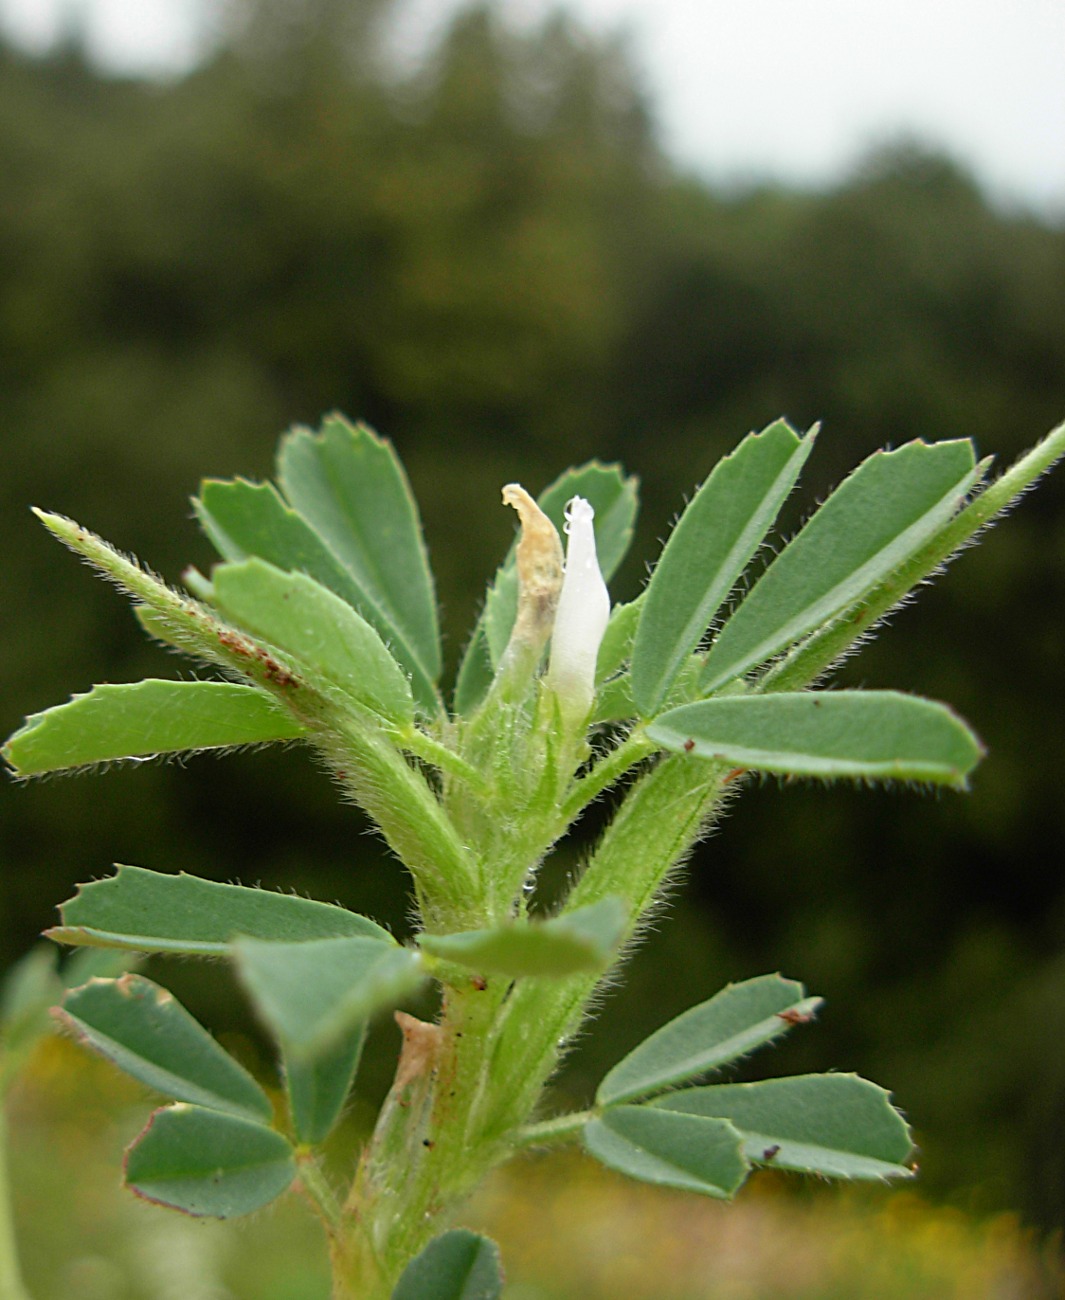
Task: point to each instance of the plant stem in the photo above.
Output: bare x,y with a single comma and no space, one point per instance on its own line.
430,1148
319,1189
411,819
607,772
12,1286
432,751
677,796
559,1129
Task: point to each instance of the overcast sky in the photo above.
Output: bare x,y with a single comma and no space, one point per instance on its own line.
746,88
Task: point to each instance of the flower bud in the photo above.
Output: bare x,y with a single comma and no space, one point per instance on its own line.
582,615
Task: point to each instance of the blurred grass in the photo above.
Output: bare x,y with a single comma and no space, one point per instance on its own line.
569,1230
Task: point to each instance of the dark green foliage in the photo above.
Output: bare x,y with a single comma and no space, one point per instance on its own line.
497,266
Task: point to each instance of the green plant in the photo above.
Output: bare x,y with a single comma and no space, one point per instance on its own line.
322,621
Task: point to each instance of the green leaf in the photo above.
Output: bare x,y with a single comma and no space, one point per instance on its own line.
582,940
729,1025
147,1033
837,1125
710,547
29,988
312,993
878,517
613,695
501,609
615,501
460,1265
152,912
143,719
206,1163
613,701
613,496
695,1155
322,633
318,1086
351,488
871,735
84,964
475,671
615,649
808,660
246,520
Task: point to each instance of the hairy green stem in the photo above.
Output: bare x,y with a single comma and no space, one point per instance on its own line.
677,797
463,1111
606,772
441,756
429,1150
416,827
560,1129
319,1189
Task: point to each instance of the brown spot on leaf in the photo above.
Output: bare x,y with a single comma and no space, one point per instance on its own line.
793,1017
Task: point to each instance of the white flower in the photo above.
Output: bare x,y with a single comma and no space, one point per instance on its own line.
582,615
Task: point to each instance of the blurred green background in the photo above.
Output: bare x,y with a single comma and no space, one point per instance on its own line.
492,261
